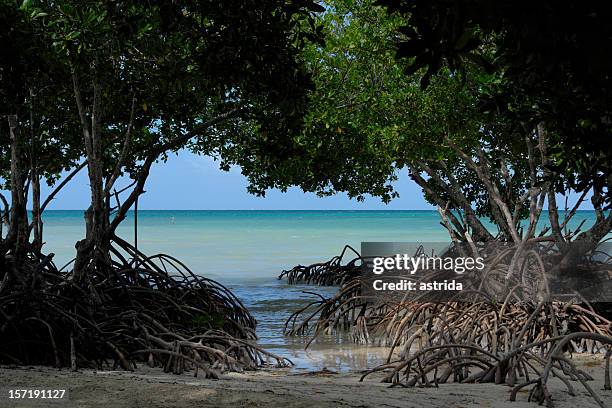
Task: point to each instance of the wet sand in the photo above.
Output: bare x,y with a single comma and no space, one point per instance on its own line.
286,388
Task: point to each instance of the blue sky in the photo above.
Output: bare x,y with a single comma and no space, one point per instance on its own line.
191,182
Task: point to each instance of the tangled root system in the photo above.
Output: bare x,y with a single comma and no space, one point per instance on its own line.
141,309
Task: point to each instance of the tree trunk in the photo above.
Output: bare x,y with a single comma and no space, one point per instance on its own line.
94,250
37,224
35,179
18,232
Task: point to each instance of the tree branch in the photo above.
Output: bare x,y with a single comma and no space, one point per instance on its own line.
126,143
61,185
155,153
5,213
416,177
483,175
553,214
81,110
572,212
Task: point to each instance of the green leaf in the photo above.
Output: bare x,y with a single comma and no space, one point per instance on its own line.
39,14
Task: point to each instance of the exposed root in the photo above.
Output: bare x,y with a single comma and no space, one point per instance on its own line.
328,273
152,310
473,339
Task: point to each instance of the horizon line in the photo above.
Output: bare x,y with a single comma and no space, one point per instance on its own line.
273,209
251,209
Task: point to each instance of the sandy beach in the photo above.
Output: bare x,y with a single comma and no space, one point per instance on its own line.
148,387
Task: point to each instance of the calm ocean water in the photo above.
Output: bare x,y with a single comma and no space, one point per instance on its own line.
250,245
246,250
239,246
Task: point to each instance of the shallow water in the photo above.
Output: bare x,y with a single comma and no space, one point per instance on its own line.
272,302
246,250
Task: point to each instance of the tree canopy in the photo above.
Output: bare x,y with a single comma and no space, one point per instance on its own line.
551,61
114,87
370,117
367,121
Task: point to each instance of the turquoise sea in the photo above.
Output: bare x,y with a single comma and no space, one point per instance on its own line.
239,246
246,250
250,245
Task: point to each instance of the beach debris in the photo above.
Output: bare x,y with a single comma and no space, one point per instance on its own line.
325,372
